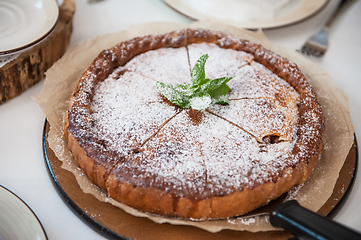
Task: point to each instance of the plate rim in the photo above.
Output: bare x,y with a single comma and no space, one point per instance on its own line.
37,40
171,4
28,207
96,226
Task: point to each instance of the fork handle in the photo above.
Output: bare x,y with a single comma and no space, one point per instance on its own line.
307,225
340,8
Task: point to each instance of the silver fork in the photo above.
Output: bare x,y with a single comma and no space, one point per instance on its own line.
317,45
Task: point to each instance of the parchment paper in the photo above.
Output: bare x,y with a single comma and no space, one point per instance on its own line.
61,78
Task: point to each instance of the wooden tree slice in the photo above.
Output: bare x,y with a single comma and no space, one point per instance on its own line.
29,68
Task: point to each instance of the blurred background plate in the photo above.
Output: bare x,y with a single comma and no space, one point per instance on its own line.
23,23
17,220
250,14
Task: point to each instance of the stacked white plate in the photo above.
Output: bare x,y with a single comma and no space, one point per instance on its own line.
25,23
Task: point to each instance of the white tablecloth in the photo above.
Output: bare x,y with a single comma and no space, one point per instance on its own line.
22,167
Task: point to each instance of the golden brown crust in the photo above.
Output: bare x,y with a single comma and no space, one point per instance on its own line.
95,172
239,203
149,199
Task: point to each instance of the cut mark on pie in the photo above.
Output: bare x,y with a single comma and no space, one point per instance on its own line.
244,98
195,115
233,124
189,61
259,117
171,66
232,60
138,149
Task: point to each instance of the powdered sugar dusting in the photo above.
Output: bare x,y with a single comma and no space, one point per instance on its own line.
260,117
229,153
168,65
219,156
126,111
130,88
277,87
256,81
231,61
173,154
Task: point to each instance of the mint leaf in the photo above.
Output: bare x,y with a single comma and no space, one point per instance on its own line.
177,95
218,82
203,91
220,94
198,71
218,89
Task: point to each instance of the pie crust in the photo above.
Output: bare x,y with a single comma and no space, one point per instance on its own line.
225,161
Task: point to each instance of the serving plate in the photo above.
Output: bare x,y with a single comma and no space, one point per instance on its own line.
24,23
114,223
17,220
248,14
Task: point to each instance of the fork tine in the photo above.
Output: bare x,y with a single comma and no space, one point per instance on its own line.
305,49
318,43
313,52
310,48
319,54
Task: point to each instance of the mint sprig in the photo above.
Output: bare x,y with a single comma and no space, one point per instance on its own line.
201,93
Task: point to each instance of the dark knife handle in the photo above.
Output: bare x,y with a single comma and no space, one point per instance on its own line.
306,224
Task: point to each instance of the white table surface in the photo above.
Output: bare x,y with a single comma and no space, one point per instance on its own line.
22,166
